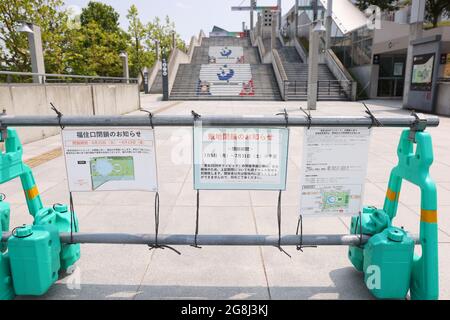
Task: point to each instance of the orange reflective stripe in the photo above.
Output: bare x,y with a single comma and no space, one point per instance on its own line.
32,193
392,195
429,216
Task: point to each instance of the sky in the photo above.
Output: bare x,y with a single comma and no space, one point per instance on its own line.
190,16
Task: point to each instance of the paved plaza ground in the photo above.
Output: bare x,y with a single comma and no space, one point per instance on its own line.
134,272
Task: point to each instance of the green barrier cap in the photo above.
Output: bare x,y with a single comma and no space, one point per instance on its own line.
23,232
61,208
396,234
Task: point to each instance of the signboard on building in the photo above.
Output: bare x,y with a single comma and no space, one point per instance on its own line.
240,158
334,170
422,73
106,159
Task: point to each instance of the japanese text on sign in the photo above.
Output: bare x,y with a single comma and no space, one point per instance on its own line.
240,158
110,159
334,170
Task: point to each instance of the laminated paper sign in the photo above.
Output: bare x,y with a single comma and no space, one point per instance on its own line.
107,159
334,170
240,158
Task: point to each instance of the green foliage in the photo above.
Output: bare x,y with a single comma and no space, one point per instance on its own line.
103,14
388,5
90,47
435,8
49,16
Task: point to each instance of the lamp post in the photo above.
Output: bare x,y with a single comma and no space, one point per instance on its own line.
126,73
316,28
35,47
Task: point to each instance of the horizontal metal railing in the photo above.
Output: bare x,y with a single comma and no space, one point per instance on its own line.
325,88
8,77
216,120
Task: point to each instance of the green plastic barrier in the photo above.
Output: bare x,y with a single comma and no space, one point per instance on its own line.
414,167
12,167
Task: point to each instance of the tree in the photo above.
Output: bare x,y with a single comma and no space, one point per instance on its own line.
157,31
388,5
103,14
98,43
436,8
52,20
138,56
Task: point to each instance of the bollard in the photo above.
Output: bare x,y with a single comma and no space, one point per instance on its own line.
413,166
12,167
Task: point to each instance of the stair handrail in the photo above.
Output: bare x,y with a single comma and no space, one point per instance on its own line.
261,48
300,50
342,75
280,72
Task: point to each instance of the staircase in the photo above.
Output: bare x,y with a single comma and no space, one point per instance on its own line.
246,79
296,88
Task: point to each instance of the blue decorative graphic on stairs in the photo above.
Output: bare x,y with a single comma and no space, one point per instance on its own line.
225,52
225,75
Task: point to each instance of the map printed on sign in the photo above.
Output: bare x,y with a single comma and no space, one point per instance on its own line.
334,170
99,159
240,158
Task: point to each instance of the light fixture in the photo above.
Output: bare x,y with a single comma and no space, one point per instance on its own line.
123,55
319,27
24,27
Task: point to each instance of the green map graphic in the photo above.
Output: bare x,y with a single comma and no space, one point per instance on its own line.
335,199
105,169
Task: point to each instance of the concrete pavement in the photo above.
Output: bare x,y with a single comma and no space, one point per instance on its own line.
134,272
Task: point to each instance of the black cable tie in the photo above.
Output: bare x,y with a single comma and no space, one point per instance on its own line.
375,121
286,116
300,226
195,245
360,229
308,116
300,246
157,245
72,217
279,225
59,114
195,115
150,115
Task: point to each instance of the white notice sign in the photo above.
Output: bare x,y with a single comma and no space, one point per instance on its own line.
110,159
334,170
240,158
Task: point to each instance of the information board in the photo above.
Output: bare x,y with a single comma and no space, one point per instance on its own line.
106,159
334,170
240,158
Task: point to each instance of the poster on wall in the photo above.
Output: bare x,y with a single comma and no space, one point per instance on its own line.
334,170
240,158
106,159
422,73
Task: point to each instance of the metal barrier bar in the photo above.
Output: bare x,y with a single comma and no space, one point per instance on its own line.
225,121
54,75
212,240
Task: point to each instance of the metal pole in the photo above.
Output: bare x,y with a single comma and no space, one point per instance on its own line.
313,66
211,240
216,120
415,32
329,23
296,19
37,53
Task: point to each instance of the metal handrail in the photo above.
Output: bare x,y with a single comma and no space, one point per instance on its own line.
68,76
217,120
